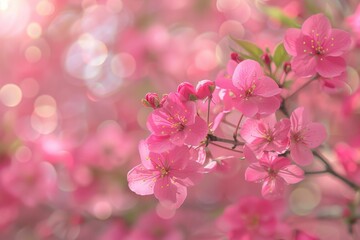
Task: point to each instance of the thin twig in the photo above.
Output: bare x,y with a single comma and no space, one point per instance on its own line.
223,147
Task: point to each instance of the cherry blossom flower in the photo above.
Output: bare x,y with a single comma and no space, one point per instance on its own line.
166,175
317,48
275,173
176,123
304,136
250,218
252,91
266,134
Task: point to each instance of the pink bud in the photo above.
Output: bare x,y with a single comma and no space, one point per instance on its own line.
235,56
205,88
287,67
187,91
151,100
266,59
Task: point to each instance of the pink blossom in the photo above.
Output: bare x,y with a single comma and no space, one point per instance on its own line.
176,123
275,173
151,100
317,48
252,91
204,89
334,84
266,134
187,91
304,136
251,218
166,175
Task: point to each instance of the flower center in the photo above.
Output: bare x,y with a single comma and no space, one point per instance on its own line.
249,92
297,137
164,172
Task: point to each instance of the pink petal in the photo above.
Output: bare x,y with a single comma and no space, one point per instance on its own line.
273,188
249,130
144,155
249,154
315,135
330,66
159,143
267,87
178,138
178,157
338,43
196,132
291,39
255,173
291,174
246,73
268,105
169,194
158,123
279,163
301,154
189,174
141,180
304,65
317,24
299,119
247,106
224,82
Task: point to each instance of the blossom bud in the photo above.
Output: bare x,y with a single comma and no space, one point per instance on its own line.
205,88
151,100
187,91
266,59
287,67
235,56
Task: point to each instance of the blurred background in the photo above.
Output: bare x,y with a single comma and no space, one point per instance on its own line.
72,76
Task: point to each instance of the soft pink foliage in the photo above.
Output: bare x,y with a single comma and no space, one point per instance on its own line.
317,48
274,173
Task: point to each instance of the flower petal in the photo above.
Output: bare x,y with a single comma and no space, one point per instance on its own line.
169,194
304,65
273,188
317,26
291,38
267,87
301,154
291,174
338,43
329,66
141,180
315,135
196,132
246,73
255,173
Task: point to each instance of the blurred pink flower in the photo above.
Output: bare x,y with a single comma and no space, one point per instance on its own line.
275,173
304,136
250,218
253,92
266,134
166,175
317,48
176,123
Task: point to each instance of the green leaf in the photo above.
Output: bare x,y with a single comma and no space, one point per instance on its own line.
252,50
278,14
280,55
